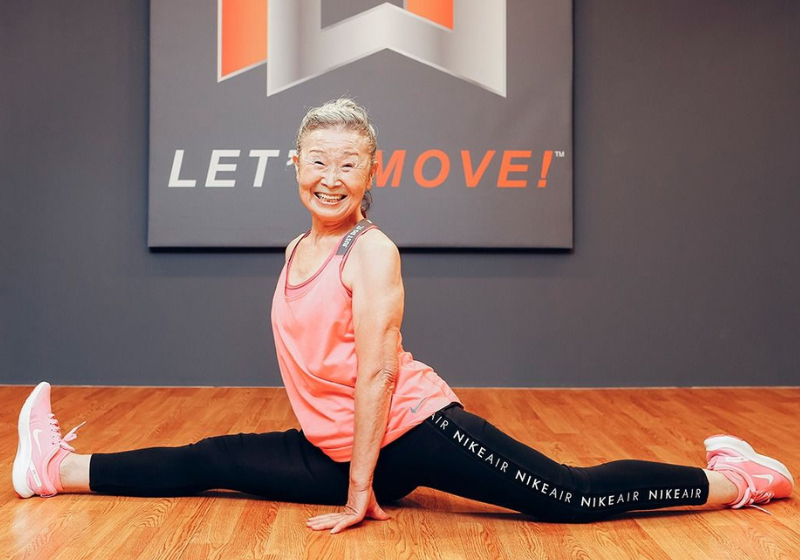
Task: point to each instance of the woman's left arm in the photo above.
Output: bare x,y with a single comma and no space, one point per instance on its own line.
373,274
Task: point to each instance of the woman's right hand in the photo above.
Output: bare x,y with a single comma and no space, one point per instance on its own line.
361,504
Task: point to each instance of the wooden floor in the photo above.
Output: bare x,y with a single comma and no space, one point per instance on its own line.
574,426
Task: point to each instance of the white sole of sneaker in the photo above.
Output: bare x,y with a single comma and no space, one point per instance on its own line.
715,443
24,448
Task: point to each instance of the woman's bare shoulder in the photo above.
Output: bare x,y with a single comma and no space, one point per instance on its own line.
374,244
374,259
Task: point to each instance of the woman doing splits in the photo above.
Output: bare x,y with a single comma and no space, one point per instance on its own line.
376,423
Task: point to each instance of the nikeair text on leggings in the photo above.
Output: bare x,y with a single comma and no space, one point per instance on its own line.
534,483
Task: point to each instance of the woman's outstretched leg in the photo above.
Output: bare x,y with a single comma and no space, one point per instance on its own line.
278,465
463,454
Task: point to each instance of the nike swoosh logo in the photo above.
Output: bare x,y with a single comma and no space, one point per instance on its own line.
36,439
414,409
767,477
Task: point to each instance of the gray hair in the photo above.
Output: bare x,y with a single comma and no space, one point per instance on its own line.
342,113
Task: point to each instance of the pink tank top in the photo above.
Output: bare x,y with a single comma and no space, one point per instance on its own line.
315,342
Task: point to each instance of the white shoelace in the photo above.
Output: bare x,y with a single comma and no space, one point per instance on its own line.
71,435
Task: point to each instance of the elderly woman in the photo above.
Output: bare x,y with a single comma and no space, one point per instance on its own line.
376,423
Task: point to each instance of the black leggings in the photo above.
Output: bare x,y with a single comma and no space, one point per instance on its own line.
453,451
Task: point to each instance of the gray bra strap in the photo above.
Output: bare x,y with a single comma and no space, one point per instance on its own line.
348,239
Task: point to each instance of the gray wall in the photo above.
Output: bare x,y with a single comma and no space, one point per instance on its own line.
687,218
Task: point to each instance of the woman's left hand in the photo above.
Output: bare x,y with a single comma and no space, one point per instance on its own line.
361,504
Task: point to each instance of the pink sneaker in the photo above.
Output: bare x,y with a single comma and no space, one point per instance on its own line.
41,448
758,478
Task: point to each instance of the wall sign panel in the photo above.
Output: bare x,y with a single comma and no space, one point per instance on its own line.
472,100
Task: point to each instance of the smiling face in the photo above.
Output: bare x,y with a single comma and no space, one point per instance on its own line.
334,169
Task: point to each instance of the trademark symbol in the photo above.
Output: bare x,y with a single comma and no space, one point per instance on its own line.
559,153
